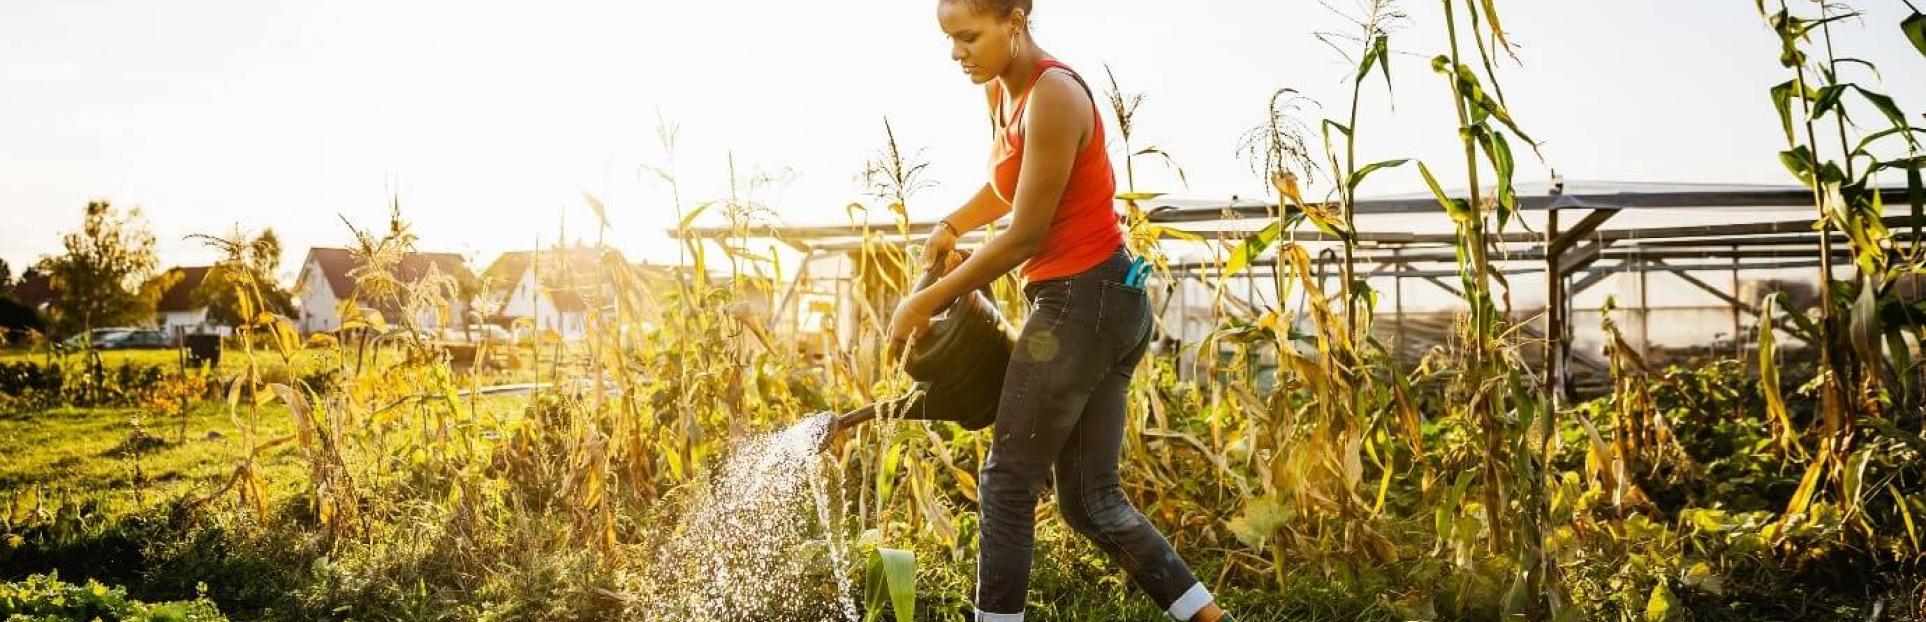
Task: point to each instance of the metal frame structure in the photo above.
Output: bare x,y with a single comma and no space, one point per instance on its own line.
1574,257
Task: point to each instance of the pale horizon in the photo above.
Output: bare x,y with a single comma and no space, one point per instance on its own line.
489,120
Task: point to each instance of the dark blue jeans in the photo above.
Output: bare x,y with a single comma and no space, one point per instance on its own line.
1062,408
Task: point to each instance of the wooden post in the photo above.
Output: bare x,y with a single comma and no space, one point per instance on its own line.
1177,279
180,355
1397,287
1644,310
1738,340
1554,313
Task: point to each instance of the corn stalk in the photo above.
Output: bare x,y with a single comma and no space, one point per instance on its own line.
1865,369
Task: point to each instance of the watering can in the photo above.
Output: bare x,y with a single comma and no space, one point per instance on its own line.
957,363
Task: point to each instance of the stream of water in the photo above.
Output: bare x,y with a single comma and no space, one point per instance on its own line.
763,542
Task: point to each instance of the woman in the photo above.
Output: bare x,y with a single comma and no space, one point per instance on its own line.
1063,397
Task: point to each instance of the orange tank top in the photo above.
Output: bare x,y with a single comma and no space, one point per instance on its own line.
1085,229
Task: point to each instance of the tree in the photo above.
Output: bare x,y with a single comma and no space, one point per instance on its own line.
6,277
246,268
100,274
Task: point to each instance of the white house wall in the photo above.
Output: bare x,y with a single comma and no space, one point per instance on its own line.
525,302
320,311
521,301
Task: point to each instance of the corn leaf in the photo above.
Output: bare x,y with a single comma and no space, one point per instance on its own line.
1885,104
1827,99
1916,195
1905,514
1798,161
1329,125
1769,375
1497,29
1253,247
595,205
1379,54
1169,162
298,407
1481,105
1864,149
689,218
1457,208
1357,177
1499,152
892,582
1865,324
1782,100
1802,497
1915,28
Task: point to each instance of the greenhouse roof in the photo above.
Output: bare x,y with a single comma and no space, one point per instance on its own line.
1682,213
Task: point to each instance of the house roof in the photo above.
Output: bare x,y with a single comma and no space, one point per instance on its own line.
338,266
180,294
565,272
576,261
568,300
506,270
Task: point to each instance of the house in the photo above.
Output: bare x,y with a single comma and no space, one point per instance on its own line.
179,310
327,280
574,283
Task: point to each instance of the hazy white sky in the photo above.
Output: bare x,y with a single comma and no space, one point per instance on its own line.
490,118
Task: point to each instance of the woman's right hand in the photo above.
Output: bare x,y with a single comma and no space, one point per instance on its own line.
938,247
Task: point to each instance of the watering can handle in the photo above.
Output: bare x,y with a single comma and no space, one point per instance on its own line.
937,269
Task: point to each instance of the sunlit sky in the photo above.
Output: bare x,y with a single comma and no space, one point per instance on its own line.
490,119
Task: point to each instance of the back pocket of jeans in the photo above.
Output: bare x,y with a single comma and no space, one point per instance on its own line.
1124,315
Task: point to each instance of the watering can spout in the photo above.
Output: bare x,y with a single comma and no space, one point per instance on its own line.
844,421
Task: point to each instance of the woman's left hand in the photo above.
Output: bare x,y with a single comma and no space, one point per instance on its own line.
911,318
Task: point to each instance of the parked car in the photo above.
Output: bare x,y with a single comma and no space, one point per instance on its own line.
80,341
139,339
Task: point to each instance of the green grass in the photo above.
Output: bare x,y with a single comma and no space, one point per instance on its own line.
233,361
307,362
70,503
91,451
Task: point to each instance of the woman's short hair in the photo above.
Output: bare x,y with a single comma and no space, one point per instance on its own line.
999,8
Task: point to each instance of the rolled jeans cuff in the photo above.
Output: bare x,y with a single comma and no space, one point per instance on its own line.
1193,601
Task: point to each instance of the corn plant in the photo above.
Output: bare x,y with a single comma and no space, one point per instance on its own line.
1143,237
1867,375
259,325
1491,393
1374,51
1339,398
902,489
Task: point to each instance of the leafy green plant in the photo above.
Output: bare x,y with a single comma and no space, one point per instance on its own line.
45,598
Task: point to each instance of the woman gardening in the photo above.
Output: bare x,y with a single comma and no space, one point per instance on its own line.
1062,402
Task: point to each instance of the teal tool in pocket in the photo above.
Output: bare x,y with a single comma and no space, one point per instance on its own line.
1139,271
